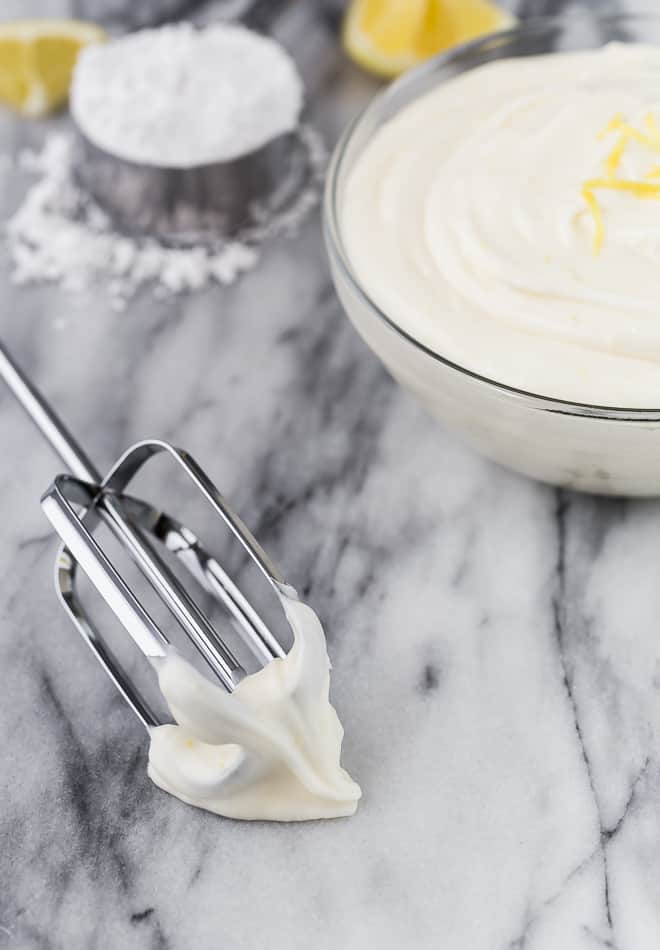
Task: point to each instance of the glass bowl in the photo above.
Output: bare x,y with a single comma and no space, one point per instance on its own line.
602,449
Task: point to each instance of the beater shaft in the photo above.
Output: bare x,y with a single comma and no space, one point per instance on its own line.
130,520
46,421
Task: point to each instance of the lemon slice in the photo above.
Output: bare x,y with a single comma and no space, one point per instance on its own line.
389,36
37,59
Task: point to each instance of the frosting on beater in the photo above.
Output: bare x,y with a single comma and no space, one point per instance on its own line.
269,750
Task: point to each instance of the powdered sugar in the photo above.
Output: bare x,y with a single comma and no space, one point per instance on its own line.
59,234
178,97
181,101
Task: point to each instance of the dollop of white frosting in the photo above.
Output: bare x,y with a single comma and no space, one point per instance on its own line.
466,222
269,750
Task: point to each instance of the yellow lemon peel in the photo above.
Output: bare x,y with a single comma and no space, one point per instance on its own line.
613,160
597,214
615,123
650,138
651,124
640,189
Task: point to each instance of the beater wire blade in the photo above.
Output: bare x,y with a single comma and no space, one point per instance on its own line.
76,503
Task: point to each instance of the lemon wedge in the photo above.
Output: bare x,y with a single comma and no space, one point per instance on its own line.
37,59
389,36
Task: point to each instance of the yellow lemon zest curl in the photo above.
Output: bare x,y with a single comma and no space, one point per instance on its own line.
640,189
649,138
597,214
613,125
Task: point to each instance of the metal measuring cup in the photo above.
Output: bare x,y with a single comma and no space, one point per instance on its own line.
182,206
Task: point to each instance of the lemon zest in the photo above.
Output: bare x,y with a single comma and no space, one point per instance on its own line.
613,125
638,189
613,160
651,124
650,138
597,215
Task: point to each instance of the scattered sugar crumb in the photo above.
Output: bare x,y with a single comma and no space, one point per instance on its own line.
59,235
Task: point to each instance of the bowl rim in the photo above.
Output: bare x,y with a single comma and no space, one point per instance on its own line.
332,229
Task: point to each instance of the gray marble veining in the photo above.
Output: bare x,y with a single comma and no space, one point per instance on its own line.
494,641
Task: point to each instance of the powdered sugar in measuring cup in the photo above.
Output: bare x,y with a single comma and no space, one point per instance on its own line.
159,192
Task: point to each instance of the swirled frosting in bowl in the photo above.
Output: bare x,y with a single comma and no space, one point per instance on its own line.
509,220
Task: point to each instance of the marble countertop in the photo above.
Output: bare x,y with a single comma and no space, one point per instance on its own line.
495,644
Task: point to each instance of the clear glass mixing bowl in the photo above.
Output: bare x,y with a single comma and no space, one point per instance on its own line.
600,449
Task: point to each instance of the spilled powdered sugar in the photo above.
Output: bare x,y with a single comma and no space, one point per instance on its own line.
59,234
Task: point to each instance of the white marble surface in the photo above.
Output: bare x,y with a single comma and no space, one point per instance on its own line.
495,647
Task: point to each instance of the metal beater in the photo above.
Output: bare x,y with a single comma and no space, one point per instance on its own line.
77,502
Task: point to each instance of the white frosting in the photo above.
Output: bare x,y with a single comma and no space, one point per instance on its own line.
269,750
465,220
